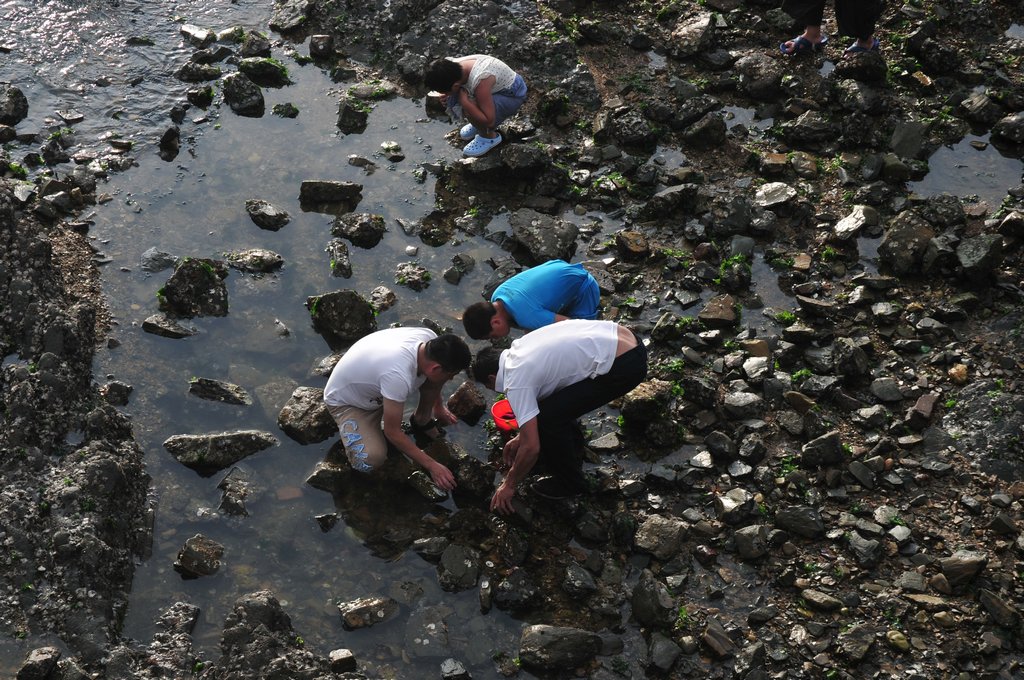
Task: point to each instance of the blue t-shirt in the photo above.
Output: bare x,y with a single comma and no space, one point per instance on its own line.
534,296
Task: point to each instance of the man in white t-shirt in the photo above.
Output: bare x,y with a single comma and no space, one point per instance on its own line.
551,377
375,378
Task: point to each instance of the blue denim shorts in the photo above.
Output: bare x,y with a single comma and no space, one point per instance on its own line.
509,100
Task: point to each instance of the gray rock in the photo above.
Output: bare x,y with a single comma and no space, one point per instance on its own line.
516,592
751,542
855,642
734,505
342,316
544,237
340,261
353,117
258,260
305,417
660,536
364,230
760,76
962,567
218,390
322,191
904,243
578,582
663,652
243,96
823,451
13,104
290,15
719,312
819,601
40,664
459,568
208,453
162,325
866,552
265,215
743,405
557,648
200,556
1002,613
774,194
196,288
692,36
468,402
1011,128
412,275
978,256
801,520
717,639
264,71
367,611
652,604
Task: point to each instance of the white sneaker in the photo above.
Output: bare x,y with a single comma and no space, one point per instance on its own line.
467,132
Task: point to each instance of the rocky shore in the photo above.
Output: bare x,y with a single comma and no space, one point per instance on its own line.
822,477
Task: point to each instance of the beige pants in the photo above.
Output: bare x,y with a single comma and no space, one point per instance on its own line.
361,435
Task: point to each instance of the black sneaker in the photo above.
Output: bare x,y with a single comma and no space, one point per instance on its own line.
552,489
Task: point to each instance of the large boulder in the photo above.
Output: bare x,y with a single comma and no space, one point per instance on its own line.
209,453
342,316
196,288
305,417
243,96
13,105
544,237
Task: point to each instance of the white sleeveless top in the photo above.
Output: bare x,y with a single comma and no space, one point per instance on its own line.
488,66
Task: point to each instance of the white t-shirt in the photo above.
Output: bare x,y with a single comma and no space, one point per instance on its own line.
545,360
379,366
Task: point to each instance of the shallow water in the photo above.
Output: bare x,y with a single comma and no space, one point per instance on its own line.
194,206
966,170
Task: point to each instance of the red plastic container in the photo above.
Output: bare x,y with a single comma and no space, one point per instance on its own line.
503,416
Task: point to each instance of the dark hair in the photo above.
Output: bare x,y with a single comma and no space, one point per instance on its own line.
450,351
477,319
486,364
442,75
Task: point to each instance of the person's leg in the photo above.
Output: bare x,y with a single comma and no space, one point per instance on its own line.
857,19
508,101
560,445
809,14
362,436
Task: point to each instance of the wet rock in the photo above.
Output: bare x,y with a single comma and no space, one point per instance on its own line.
234,490
340,262
544,237
801,520
264,71
290,15
962,567
717,639
707,133
13,104
865,66
751,542
904,243
1010,128
322,192
321,46
116,393
855,643
218,390
867,552
40,664
196,288
743,405
170,143
265,215
978,256
160,324
243,95
693,36
382,298
810,131
859,217
208,453
259,642
759,77
364,230
557,648
353,115
305,417
367,611
516,592
663,652
822,602
734,505
661,536
720,312
459,568
1002,613
577,581
342,661
193,72
200,556
468,403
823,451
412,275
259,260
342,317
672,203
645,403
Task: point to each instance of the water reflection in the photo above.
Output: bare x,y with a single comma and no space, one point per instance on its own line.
975,167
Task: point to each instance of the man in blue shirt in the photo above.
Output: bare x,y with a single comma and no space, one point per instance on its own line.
550,292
